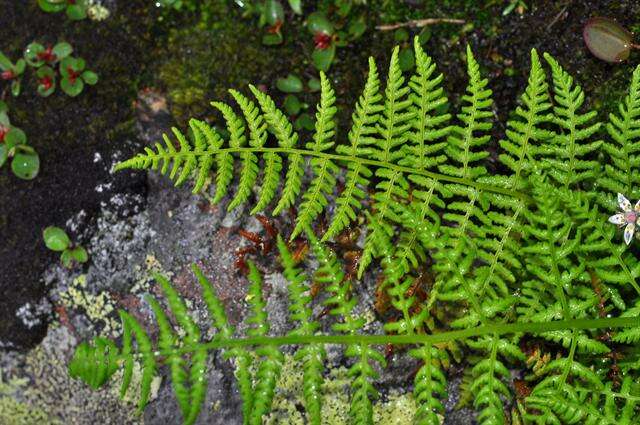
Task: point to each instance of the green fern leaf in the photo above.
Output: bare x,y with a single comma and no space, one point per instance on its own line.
315,198
361,136
564,161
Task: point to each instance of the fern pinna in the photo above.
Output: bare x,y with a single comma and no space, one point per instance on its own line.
522,268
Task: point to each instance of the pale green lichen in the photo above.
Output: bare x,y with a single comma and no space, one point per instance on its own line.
395,408
16,412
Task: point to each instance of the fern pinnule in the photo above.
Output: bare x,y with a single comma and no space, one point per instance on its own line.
430,384
287,138
564,155
393,128
270,357
464,140
525,132
621,174
324,169
361,136
312,355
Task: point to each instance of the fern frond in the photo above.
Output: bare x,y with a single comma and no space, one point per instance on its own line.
287,139
430,385
360,137
342,305
526,130
621,174
324,169
565,154
463,142
393,127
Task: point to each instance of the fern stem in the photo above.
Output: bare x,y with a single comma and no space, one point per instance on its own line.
494,328
348,158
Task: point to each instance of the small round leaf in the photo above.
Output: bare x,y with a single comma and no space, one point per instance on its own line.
72,88
26,164
90,77
15,137
290,84
322,58
62,50
292,104
55,238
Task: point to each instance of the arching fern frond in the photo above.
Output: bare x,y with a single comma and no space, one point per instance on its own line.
621,174
567,148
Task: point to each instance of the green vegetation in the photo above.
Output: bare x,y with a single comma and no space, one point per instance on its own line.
25,162
57,240
75,9
525,271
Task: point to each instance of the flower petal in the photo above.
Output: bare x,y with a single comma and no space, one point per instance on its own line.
637,206
617,219
628,232
624,203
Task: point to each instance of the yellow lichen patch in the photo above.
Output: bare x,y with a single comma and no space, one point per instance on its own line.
99,308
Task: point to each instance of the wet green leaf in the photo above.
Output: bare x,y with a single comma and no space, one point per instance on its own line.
607,39
272,39
31,54
72,88
55,238
15,137
15,88
292,105
401,35
52,6
76,12
26,163
62,50
318,22
90,77
357,27
314,84
322,58
296,6
304,121
274,12
290,84
406,59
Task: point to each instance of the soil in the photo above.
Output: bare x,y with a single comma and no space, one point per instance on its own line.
77,139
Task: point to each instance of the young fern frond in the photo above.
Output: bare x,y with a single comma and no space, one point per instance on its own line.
621,175
565,153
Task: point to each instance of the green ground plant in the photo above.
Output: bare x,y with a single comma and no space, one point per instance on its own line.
526,273
25,162
56,239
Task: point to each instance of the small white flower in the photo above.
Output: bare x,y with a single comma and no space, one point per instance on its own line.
628,218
